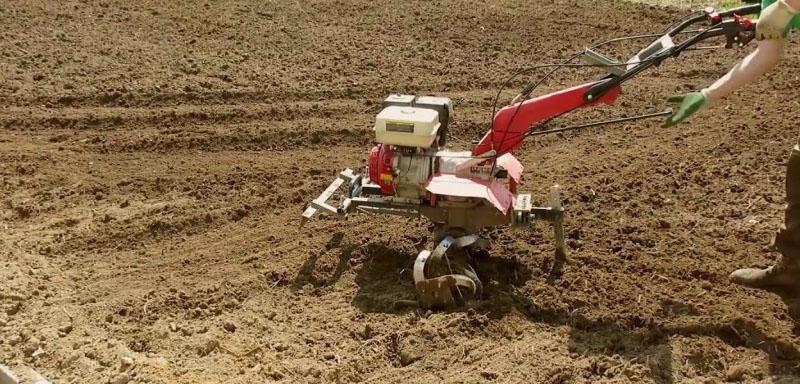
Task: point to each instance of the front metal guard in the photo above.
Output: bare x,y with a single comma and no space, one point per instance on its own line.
358,195
321,202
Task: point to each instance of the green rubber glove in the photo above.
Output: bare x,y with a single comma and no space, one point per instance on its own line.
775,20
689,104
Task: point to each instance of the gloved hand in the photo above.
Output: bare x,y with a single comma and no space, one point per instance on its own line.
774,21
689,104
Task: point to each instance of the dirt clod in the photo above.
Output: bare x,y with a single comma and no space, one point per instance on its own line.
736,373
410,350
64,330
122,378
125,363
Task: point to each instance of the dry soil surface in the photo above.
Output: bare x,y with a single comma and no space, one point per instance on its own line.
155,158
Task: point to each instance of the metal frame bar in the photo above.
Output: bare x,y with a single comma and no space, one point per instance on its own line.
321,202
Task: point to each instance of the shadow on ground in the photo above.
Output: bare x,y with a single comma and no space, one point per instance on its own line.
385,285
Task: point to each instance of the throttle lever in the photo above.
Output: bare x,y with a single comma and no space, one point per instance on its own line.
740,32
713,16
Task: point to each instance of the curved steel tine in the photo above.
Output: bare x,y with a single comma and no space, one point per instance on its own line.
419,265
442,248
466,241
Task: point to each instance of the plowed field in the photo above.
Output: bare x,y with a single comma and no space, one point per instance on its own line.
155,158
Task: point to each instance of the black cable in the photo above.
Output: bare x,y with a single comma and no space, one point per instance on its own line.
528,90
531,86
566,62
556,67
693,14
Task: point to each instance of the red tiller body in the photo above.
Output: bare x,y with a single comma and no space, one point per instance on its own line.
512,122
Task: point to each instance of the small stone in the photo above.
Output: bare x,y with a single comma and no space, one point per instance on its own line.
173,327
125,362
122,378
37,352
186,332
280,347
31,348
14,308
328,356
64,330
229,326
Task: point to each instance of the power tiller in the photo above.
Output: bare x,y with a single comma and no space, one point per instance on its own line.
412,173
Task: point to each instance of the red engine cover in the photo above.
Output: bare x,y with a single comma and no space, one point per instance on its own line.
380,167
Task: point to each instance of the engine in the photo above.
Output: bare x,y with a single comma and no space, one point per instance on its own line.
410,131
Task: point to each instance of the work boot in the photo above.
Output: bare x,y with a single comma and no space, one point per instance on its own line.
783,274
787,241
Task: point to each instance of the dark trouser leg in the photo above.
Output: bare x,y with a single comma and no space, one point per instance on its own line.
787,241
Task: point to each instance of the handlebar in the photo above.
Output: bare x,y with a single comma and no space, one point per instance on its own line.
714,16
727,23
744,10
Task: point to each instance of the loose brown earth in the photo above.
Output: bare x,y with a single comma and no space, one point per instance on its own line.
155,159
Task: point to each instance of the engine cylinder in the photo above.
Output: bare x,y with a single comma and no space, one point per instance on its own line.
412,171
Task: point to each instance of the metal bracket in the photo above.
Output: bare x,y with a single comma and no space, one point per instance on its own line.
610,65
321,202
524,214
558,223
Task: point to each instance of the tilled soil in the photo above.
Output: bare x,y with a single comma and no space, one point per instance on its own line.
155,158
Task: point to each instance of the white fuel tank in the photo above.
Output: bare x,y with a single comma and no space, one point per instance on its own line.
407,126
